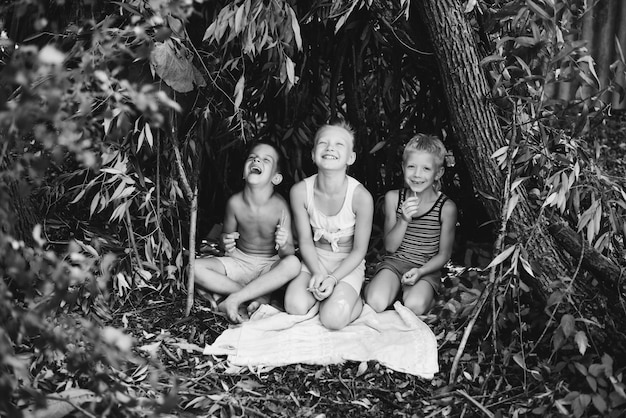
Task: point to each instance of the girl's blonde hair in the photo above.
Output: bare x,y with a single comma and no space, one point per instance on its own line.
341,124
427,143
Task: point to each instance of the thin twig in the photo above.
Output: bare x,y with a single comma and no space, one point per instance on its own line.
192,250
468,330
131,234
181,169
491,286
170,354
476,403
158,197
487,290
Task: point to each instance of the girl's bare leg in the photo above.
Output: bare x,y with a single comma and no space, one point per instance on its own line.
382,290
298,300
419,298
343,306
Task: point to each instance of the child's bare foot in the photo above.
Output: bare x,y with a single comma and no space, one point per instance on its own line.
253,306
208,297
231,308
256,303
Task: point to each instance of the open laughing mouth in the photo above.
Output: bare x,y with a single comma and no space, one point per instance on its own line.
255,170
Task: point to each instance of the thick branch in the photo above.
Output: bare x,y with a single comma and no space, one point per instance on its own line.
593,261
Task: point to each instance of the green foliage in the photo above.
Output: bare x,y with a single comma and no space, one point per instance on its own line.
53,345
534,54
114,120
550,164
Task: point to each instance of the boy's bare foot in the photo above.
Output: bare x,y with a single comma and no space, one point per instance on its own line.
208,297
256,303
231,308
253,306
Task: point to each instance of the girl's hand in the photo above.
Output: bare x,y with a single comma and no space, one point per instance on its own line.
326,287
410,206
411,277
229,241
315,284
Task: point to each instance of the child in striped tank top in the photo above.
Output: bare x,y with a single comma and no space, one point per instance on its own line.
419,231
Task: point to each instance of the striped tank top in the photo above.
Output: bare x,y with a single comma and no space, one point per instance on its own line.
421,239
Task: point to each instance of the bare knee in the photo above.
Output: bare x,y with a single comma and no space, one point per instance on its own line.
375,302
334,322
336,316
418,306
292,265
297,303
296,307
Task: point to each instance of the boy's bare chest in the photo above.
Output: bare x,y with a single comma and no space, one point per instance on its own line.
259,219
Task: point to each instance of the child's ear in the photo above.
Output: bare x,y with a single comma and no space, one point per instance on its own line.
352,158
440,173
277,179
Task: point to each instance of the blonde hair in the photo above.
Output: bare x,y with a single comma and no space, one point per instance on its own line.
341,124
426,143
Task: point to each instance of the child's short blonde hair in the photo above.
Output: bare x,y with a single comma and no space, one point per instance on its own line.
427,143
340,124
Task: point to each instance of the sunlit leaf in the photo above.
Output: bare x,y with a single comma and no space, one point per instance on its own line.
581,341
239,22
502,256
210,31
567,325
469,6
78,196
538,10
295,27
362,368
599,403
174,66
290,67
239,88
117,213
517,357
378,146
151,349
94,204
526,266
511,206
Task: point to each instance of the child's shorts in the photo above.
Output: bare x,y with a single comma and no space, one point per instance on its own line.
243,268
330,260
399,267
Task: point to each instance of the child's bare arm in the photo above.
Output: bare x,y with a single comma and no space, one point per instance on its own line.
303,227
394,228
363,205
284,233
229,231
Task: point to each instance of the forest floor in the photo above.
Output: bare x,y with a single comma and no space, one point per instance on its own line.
208,386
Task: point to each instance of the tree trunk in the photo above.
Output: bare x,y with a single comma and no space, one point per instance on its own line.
479,135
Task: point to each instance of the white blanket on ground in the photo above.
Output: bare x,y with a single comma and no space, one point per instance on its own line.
397,339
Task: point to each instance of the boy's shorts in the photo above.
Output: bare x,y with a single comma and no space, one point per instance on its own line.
330,260
399,267
243,268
